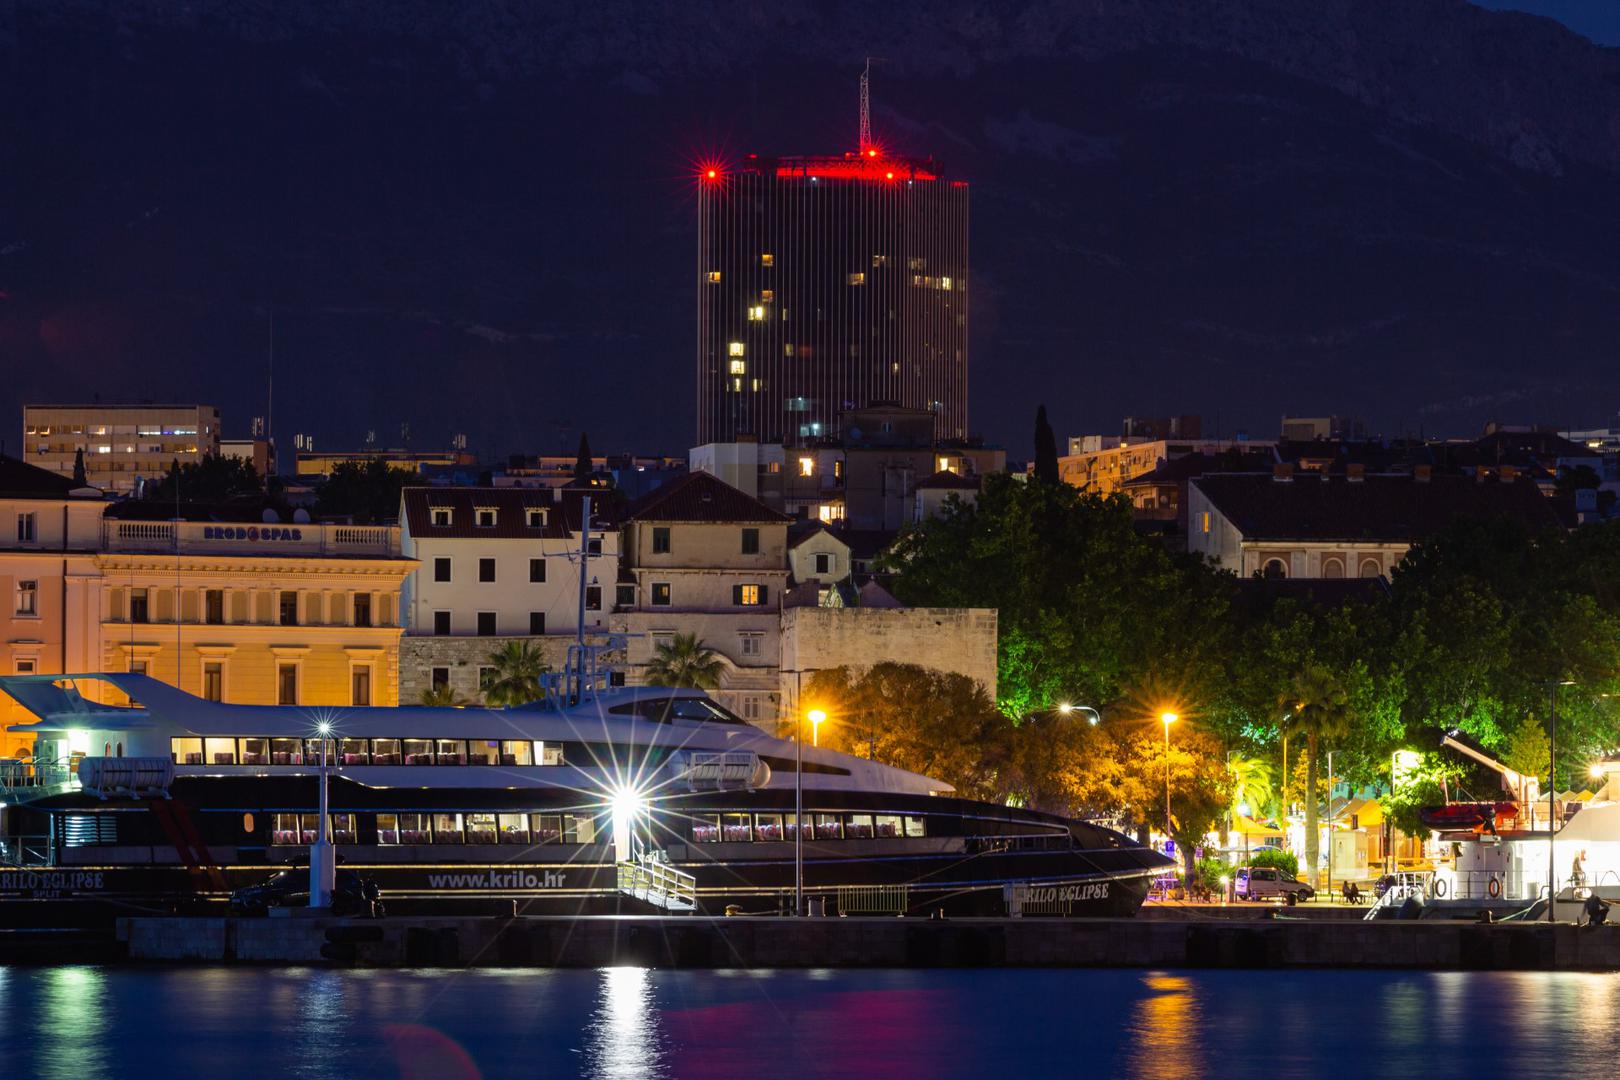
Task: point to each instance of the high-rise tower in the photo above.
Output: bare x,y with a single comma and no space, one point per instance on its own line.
826,284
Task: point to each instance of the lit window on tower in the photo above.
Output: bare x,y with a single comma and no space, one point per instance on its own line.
714,277
767,295
857,278
739,367
945,283
767,260
788,349
736,348
756,313
879,261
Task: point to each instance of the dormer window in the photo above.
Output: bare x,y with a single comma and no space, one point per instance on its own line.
484,517
441,516
536,516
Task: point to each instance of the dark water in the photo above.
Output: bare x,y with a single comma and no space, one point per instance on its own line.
82,1023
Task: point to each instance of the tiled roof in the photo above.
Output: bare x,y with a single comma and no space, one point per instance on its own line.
949,480
511,506
1376,508
20,480
702,497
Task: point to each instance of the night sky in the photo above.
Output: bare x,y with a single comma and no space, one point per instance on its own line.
482,222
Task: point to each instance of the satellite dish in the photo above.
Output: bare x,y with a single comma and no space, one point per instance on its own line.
270,517
300,516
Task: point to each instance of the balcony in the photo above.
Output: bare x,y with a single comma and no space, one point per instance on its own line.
207,538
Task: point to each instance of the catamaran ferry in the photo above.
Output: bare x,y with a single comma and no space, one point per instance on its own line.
596,799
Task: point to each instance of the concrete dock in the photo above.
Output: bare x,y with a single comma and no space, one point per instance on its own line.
696,942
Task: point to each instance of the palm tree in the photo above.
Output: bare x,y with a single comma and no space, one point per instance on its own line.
1321,711
1251,783
685,661
516,679
442,696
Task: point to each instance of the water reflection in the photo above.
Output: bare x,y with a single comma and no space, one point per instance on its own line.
71,1032
624,1039
1165,1029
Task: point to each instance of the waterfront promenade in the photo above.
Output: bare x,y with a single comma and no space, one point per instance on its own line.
754,942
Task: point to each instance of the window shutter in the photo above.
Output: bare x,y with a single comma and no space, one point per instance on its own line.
764,594
736,595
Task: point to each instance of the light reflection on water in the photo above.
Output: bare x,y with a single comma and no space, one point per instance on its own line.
83,1023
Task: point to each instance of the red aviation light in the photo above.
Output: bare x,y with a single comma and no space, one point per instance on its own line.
889,176
713,174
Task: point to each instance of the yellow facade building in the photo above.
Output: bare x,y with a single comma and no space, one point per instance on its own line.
255,613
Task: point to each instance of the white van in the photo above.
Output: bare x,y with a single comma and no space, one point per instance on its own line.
1270,883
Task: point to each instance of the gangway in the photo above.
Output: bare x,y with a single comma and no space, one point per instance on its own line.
650,878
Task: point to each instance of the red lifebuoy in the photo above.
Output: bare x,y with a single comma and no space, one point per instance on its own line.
1494,887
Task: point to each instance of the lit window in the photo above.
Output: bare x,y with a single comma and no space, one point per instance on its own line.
736,386
756,313
788,349
1203,521
830,512
736,348
945,283
748,595
946,465
857,278
767,260
756,385
739,367
807,466
767,295
879,261
714,277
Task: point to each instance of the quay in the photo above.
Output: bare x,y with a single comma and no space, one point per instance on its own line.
759,942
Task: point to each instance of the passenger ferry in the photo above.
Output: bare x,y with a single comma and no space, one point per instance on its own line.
596,799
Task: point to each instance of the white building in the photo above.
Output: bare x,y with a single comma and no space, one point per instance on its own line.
502,562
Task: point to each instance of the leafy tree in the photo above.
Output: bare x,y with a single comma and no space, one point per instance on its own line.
368,492
940,724
1046,454
584,468
1527,751
515,680
1424,784
442,697
685,661
1251,783
1200,783
211,479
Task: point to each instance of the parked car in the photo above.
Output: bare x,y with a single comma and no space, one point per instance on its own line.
1270,883
351,894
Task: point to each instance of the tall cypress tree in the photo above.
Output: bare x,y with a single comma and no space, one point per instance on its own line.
1046,455
582,461
78,468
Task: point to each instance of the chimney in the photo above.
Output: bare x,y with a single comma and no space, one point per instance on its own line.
1422,473
1355,472
1282,472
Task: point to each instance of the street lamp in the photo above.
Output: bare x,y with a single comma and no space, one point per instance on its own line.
1092,715
815,716
1168,718
322,864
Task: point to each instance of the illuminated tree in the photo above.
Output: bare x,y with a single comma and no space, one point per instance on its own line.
685,661
1320,712
515,678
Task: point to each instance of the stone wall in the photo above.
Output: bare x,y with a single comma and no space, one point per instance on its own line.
418,656
948,639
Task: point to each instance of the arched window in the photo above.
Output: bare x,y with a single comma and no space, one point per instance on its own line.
120,747
1274,569
1333,567
106,749
1370,568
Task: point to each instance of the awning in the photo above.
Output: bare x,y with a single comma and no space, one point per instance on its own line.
1247,826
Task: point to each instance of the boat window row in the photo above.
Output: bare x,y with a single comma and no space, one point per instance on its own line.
267,751
442,828
741,828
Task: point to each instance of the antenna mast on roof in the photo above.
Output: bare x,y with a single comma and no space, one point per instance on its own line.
866,106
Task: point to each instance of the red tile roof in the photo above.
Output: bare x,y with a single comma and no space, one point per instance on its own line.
511,506
704,498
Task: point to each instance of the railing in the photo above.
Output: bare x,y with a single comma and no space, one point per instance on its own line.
658,883
298,538
25,850
23,781
873,899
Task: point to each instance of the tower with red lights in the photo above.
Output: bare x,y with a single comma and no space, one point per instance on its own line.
826,284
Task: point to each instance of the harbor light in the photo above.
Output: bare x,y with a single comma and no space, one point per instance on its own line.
1595,771
627,804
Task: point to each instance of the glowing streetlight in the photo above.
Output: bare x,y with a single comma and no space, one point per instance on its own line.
816,716
1595,771
1168,718
322,860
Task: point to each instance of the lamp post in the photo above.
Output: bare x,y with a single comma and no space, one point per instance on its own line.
1093,717
322,866
815,716
1168,718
